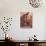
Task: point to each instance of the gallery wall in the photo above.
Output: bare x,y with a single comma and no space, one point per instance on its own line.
12,8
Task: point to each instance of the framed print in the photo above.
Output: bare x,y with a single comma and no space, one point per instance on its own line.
26,19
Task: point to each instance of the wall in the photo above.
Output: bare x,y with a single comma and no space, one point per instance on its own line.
45,28
12,8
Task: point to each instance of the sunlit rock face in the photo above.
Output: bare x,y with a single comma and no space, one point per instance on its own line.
35,3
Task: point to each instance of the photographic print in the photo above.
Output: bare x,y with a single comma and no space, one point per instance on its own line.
26,19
